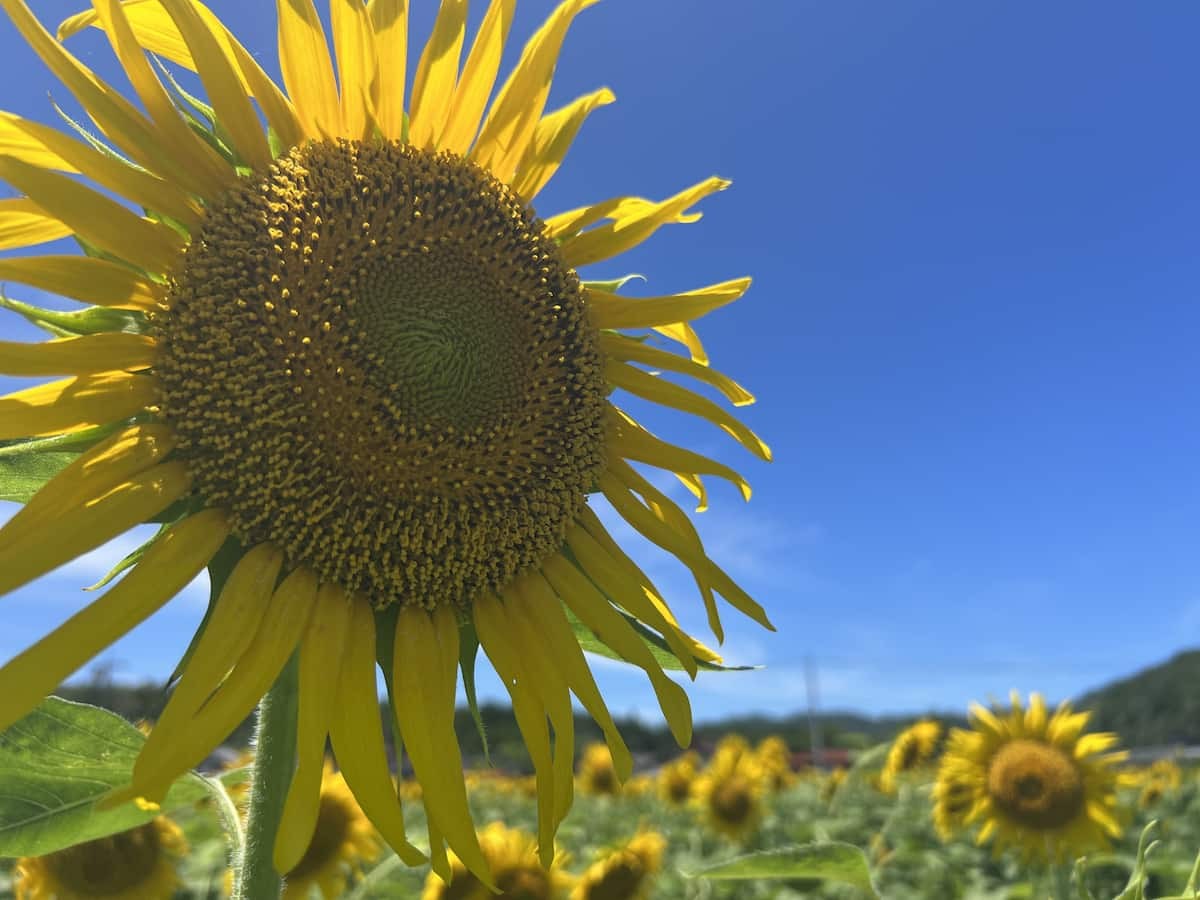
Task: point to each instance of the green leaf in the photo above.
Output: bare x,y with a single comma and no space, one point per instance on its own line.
26,465
468,650
92,320
23,476
657,645
827,861
56,763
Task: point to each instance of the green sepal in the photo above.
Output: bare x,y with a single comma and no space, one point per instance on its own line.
820,861
201,119
92,140
56,763
614,285
468,651
131,559
26,465
275,143
219,569
91,320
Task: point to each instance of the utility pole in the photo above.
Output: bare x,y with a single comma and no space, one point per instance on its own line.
811,689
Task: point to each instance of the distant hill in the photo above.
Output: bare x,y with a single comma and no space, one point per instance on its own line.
1159,705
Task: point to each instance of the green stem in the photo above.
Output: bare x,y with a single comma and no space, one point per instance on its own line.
274,762
1060,881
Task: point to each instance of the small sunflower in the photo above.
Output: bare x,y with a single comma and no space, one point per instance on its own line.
516,870
625,874
342,841
1036,782
775,760
730,794
912,748
332,345
597,774
677,778
139,864
832,783
1163,777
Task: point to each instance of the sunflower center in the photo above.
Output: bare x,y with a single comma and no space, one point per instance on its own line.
620,881
109,865
732,801
375,359
1035,784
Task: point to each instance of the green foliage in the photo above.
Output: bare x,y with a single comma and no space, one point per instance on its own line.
821,861
55,764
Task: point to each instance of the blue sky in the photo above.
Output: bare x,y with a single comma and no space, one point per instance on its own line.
972,231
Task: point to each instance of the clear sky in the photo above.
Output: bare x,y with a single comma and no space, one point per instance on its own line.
972,332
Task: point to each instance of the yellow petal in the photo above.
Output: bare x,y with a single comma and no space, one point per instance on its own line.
390,21
628,592
437,69
33,553
538,600
620,347
567,224
426,650
95,472
354,41
167,567
592,524
598,614
653,528
157,32
223,82
307,68
48,148
630,440
495,636
514,115
105,223
552,139
478,76
322,650
184,143
23,223
273,644
74,403
683,333
105,352
357,739
627,231
96,281
527,639
235,619
659,390
113,114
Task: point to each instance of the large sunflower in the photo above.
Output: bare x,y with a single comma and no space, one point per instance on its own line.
1034,782
342,355
139,864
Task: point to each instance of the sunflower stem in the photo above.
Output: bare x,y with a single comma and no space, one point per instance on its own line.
274,763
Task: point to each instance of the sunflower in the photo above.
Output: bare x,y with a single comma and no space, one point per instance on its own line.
677,778
597,772
516,869
831,783
625,874
775,760
912,748
1036,782
139,864
342,841
334,351
1160,779
730,793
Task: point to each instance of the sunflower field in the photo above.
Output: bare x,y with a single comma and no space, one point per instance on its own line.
904,820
